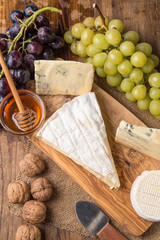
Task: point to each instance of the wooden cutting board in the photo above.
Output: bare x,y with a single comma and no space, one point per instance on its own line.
129,163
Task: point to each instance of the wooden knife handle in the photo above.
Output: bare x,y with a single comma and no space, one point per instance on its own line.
110,233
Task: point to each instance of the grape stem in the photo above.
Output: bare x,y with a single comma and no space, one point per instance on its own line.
101,15
29,21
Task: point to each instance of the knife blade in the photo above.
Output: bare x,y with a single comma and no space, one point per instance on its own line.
96,222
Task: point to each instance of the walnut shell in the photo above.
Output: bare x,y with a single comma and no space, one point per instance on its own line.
28,232
34,212
18,192
31,165
41,189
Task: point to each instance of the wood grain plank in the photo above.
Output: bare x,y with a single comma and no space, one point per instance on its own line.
129,165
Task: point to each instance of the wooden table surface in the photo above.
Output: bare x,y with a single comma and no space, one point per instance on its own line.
140,15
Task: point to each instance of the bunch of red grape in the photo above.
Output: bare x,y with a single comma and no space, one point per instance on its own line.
29,38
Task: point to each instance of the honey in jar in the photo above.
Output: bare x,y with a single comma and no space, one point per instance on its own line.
9,109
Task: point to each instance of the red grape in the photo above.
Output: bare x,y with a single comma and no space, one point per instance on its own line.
3,42
14,29
14,59
21,75
46,34
29,9
57,43
47,53
16,45
28,60
4,87
31,27
42,20
15,15
35,48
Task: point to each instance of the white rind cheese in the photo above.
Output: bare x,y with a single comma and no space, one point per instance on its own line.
63,77
145,195
143,139
78,131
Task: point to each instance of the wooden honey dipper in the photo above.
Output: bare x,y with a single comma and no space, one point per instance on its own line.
26,118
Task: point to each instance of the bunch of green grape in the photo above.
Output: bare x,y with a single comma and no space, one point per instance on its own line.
126,64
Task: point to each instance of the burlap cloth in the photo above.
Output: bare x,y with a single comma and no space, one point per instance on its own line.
61,207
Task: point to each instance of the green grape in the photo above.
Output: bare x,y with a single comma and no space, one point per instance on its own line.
113,36
131,36
100,42
74,47
110,68
146,48
158,117
91,50
81,49
154,93
138,59
125,67
116,24
114,80
130,97
127,48
77,29
140,82
100,72
149,66
125,76
144,103
68,37
87,36
139,92
147,75
99,59
89,22
99,23
136,75
115,56
127,84
118,88
89,60
155,60
154,80
154,107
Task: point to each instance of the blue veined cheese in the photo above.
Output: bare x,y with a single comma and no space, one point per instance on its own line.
145,195
143,139
78,131
63,77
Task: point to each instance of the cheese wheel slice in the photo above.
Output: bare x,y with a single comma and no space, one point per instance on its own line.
78,131
145,195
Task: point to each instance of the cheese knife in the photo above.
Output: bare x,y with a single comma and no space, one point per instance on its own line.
96,222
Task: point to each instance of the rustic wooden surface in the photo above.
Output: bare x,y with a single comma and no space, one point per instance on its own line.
140,15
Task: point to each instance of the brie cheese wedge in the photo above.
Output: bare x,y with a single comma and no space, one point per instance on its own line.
145,195
78,131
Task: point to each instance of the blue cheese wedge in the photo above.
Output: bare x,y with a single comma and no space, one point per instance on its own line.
145,195
78,131
63,77
143,139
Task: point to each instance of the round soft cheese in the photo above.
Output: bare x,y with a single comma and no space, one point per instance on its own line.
145,195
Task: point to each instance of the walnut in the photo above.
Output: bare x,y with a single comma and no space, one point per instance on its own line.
31,165
18,192
41,189
34,212
28,232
